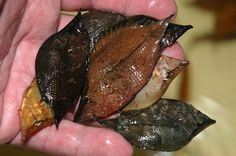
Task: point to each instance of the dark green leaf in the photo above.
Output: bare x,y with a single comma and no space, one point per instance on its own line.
167,125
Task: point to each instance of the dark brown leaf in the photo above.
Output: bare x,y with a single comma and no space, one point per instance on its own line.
61,67
120,67
115,45
167,125
97,22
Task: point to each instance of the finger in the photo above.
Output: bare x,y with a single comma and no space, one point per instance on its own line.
9,23
36,24
75,139
65,19
156,8
175,51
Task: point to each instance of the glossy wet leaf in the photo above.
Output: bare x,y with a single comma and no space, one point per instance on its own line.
35,114
61,66
61,63
165,71
166,125
120,67
115,45
172,33
97,22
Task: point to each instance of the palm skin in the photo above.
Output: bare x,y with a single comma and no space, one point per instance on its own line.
24,26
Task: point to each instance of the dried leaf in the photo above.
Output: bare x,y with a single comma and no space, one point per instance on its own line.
61,66
166,125
120,67
172,33
96,22
34,113
165,71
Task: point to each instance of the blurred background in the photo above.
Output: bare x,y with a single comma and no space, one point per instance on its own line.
209,81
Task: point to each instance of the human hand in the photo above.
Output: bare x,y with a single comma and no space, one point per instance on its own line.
24,26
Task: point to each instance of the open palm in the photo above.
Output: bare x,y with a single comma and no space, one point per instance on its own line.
24,26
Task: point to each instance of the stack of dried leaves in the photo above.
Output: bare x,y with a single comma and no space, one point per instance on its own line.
114,64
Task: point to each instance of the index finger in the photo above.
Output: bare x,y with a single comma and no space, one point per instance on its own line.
159,9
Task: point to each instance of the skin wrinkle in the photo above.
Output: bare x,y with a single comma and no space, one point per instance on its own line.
35,31
23,46
125,7
49,135
167,8
83,149
9,110
76,145
6,63
10,114
2,4
5,69
79,150
11,24
5,119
